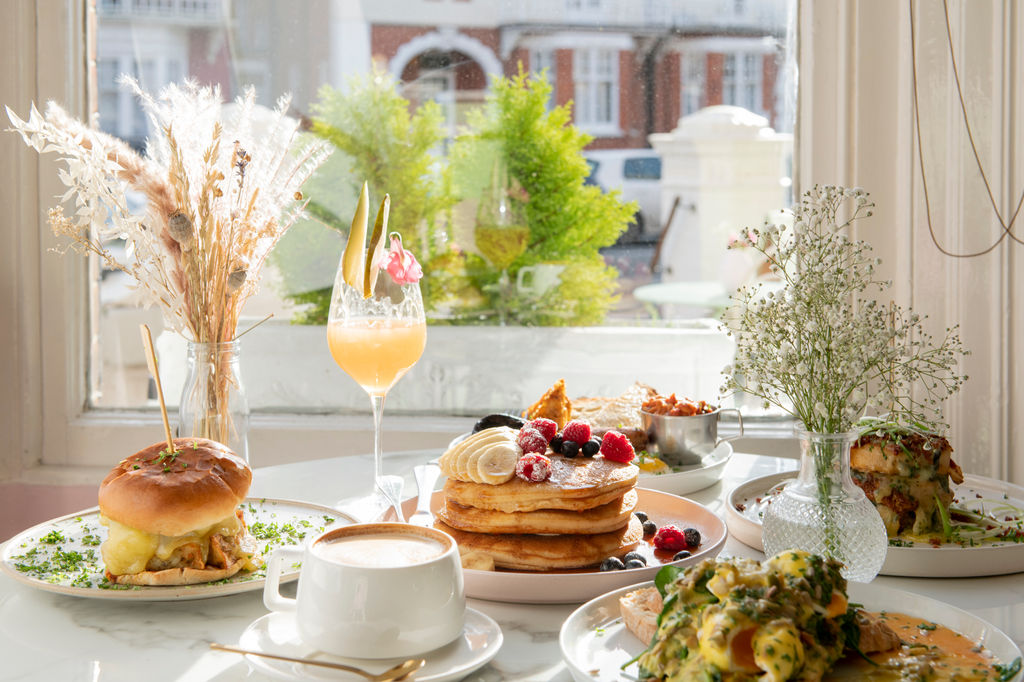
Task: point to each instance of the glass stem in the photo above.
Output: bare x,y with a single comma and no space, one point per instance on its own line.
377,400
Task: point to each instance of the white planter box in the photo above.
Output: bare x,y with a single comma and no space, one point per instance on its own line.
474,370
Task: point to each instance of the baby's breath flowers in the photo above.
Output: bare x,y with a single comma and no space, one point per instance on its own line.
823,349
221,192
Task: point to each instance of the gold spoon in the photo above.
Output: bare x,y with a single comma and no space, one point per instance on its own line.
402,671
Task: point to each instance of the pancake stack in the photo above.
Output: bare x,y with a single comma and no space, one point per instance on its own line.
580,515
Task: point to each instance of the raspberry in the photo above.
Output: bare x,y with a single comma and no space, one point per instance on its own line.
617,448
547,428
531,440
670,539
533,468
576,431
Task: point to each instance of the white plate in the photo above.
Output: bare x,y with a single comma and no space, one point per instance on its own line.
595,642
920,560
689,479
576,586
82,533
276,633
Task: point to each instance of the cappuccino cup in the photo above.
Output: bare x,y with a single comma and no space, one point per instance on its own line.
375,590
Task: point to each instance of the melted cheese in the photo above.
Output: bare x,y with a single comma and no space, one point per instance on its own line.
128,550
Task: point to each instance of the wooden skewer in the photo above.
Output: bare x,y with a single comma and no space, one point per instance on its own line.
147,342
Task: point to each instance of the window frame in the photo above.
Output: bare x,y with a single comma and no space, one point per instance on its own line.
585,107
49,342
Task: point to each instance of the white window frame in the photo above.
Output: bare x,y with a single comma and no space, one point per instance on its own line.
842,136
585,74
545,58
691,92
741,79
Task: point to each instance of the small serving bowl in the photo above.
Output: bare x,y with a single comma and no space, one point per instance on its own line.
681,441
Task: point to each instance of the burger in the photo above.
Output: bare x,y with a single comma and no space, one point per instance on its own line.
173,516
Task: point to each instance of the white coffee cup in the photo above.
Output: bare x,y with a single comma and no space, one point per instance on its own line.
375,590
537,280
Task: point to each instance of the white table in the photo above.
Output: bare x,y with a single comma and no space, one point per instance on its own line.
46,637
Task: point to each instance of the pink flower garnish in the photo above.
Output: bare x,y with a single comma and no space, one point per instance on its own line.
401,264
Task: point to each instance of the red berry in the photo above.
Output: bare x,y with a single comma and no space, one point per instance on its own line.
617,448
533,468
531,440
547,428
576,431
670,539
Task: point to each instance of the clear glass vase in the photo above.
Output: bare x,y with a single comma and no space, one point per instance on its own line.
824,512
213,402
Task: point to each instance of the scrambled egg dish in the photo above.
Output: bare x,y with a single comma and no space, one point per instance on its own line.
738,620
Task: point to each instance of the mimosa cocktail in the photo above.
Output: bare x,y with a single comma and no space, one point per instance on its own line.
376,331
376,352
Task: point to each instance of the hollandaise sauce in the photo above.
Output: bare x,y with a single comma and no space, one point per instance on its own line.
930,652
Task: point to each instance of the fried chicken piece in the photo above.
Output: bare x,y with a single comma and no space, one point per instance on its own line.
874,634
189,555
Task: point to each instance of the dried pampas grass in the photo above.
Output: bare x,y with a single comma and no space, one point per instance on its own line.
221,193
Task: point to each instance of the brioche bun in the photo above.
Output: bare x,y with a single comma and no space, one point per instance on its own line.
200,484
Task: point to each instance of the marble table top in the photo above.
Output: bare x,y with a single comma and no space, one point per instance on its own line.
46,636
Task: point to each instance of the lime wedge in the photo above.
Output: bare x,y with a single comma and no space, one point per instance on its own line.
380,228
352,261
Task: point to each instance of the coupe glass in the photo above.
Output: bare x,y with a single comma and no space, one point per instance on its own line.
376,340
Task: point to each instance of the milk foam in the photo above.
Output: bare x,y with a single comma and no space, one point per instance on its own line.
384,550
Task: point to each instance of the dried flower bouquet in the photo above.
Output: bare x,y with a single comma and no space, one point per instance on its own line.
220,193
220,197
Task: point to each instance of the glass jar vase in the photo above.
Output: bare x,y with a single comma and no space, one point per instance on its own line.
213,402
824,512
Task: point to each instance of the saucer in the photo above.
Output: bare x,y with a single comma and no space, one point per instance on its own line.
276,633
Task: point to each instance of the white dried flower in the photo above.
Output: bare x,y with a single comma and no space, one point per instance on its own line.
200,222
818,349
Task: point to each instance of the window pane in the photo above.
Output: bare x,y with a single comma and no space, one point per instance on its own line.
626,90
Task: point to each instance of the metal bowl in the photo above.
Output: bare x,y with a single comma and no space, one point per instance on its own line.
681,441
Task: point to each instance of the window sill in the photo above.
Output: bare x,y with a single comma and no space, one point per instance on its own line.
601,130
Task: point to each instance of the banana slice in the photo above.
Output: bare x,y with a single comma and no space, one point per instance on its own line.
475,445
497,464
462,461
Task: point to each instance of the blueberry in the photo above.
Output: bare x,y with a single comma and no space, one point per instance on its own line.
556,444
591,447
650,528
692,536
634,563
635,556
681,555
570,448
612,564
640,515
